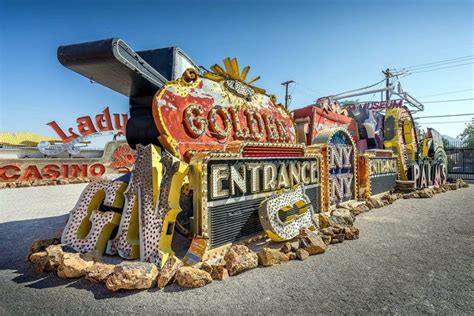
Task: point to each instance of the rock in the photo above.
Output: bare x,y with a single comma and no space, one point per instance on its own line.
62,181
425,193
11,185
341,216
99,272
437,190
292,255
389,198
219,273
191,277
132,275
323,219
268,257
337,238
351,233
302,254
295,245
326,238
359,209
462,184
206,267
73,265
286,248
240,258
168,272
55,254
40,245
93,255
375,203
311,242
40,260
453,186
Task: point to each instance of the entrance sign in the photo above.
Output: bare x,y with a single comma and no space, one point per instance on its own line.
378,170
234,185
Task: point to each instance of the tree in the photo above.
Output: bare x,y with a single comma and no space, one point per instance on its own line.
467,136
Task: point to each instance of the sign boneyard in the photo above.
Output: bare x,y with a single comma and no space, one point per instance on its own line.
224,170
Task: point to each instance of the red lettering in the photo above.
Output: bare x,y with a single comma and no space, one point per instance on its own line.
51,172
82,170
104,118
61,134
97,170
85,125
31,172
65,171
118,126
13,176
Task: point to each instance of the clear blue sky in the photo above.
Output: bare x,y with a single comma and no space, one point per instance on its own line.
325,46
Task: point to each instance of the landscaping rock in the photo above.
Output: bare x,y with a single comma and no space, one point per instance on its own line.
240,258
374,202
219,273
326,238
351,233
323,219
73,265
40,245
337,238
292,255
453,186
302,254
40,260
168,272
55,254
425,193
311,242
190,277
286,248
341,216
268,257
132,275
99,272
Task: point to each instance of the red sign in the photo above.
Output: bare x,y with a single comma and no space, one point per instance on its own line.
86,126
207,115
50,171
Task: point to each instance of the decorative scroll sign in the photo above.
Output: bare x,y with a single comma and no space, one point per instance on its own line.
210,112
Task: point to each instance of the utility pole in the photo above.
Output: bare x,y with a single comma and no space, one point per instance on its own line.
387,74
287,96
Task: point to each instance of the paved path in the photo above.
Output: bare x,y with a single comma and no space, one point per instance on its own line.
413,256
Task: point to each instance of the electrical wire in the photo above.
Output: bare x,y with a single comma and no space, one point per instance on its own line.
418,72
446,115
443,101
452,60
444,93
373,85
447,122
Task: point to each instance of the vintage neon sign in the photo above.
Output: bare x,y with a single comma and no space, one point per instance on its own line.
210,112
378,170
339,166
375,105
235,184
87,126
426,173
51,171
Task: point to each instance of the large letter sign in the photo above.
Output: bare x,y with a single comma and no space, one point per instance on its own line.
339,166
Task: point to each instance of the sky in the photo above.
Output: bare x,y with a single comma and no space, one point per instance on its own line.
327,47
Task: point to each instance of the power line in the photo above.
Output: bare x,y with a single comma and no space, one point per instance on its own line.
448,115
438,62
447,122
373,85
444,93
418,72
443,101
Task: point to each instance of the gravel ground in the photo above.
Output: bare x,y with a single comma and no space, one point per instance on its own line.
414,256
